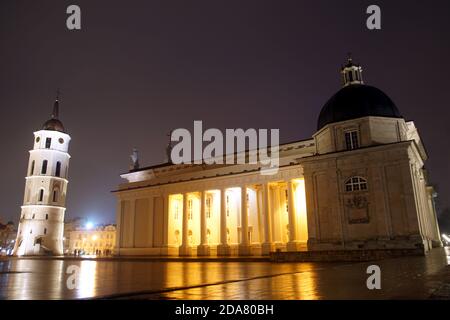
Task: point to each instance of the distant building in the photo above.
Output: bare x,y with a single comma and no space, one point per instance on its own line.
8,234
42,214
98,241
69,226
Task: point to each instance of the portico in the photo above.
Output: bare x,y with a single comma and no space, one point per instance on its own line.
247,214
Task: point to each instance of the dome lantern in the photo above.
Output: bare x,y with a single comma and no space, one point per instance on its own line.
356,100
351,73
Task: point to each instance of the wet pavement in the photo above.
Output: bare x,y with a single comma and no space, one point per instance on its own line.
401,278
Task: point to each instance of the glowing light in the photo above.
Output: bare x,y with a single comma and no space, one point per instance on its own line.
94,237
89,225
446,238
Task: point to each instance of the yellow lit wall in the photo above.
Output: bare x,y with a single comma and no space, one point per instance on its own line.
300,209
175,227
213,222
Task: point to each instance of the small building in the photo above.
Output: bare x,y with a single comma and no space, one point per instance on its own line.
99,241
69,226
8,234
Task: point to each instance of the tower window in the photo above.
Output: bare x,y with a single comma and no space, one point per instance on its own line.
44,167
45,230
41,195
55,195
351,140
58,169
33,216
48,143
32,168
355,184
350,75
46,216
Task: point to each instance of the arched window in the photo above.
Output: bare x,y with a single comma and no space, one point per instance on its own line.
32,168
48,143
55,195
44,167
41,195
355,184
58,169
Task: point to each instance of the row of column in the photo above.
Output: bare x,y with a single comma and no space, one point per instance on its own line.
244,248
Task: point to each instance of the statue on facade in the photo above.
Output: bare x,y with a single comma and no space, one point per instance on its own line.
134,160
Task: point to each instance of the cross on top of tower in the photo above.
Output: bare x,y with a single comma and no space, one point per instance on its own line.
54,123
55,113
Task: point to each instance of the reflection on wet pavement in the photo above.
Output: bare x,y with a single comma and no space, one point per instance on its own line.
401,278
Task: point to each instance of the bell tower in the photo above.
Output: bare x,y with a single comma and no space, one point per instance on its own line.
41,224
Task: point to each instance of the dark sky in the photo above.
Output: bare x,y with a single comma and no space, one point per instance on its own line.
140,68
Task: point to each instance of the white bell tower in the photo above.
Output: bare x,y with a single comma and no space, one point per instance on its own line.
41,224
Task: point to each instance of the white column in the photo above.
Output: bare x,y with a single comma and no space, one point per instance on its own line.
223,249
165,231
203,248
244,247
185,250
267,245
293,244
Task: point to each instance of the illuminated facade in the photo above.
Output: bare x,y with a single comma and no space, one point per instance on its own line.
358,183
41,223
97,241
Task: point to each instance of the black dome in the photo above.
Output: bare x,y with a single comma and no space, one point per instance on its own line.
54,125
357,101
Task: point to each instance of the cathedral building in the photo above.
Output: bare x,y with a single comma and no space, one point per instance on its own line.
41,223
358,183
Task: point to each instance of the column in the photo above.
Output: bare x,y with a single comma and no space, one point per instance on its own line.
267,245
132,222
244,247
293,244
203,248
185,249
119,228
165,231
223,249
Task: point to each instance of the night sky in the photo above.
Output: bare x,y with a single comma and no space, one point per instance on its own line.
138,69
